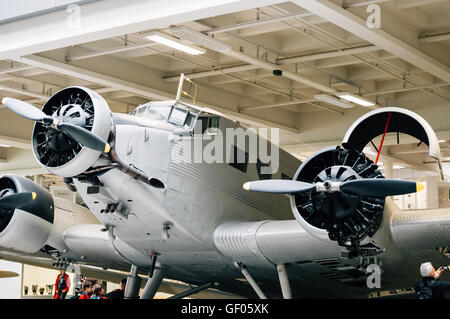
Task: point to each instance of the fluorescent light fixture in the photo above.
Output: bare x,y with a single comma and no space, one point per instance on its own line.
398,167
332,100
355,99
174,43
442,141
4,145
204,40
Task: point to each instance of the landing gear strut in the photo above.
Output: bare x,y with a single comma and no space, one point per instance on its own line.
155,279
133,284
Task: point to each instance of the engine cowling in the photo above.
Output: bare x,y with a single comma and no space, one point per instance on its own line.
25,226
345,218
57,151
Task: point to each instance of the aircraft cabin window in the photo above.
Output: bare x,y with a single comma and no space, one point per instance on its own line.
178,116
209,124
259,166
234,161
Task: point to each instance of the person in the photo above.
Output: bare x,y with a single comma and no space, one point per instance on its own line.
431,287
99,292
62,285
118,293
87,290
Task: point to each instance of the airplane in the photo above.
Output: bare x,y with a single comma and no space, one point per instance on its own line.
311,229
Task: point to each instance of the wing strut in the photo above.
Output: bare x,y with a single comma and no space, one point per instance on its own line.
284,281
250,280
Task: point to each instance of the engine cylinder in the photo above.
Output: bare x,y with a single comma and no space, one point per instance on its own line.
57,151
345,218
26,226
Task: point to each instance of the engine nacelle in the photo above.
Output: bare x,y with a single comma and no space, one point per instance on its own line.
58,152
344,218
27,226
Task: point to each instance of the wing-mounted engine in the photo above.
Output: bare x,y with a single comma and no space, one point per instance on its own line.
26,214
338,193
342,216
59,144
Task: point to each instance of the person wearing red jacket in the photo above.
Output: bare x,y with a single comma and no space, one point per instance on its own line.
87,290
62,285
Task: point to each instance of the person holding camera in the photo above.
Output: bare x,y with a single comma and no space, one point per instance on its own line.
431,287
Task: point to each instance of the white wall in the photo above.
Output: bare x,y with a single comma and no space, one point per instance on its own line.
41,277
10,288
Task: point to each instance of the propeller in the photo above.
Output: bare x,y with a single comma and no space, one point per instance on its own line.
78,133
279,186
19,198
8,274
375,187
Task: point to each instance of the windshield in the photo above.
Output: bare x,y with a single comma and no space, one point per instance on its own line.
152,112
157,112
176,114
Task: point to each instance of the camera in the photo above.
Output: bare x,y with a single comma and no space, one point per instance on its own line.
444,267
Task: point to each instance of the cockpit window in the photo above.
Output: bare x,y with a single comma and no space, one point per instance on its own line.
140,111
179,115
157,112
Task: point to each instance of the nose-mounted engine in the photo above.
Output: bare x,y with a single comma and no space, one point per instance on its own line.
60,140
347,218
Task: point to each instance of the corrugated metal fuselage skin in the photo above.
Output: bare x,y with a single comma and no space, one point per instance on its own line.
196,200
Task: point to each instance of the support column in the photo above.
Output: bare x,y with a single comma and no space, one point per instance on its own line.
388,169
153,283
133,284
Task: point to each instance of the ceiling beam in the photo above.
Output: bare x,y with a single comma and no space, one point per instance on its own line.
382,39
137,89
106,19
94,77
407,4
23,92
119,49
15,142
15,68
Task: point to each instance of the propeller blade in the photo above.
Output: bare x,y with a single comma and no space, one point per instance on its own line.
380,187
26,110
85,137
8,274
279,186
18,199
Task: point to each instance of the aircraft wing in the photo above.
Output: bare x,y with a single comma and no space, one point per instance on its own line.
422,229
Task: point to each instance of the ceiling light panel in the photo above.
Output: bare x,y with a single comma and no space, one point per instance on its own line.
355,99
199,38
332,100
174,43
